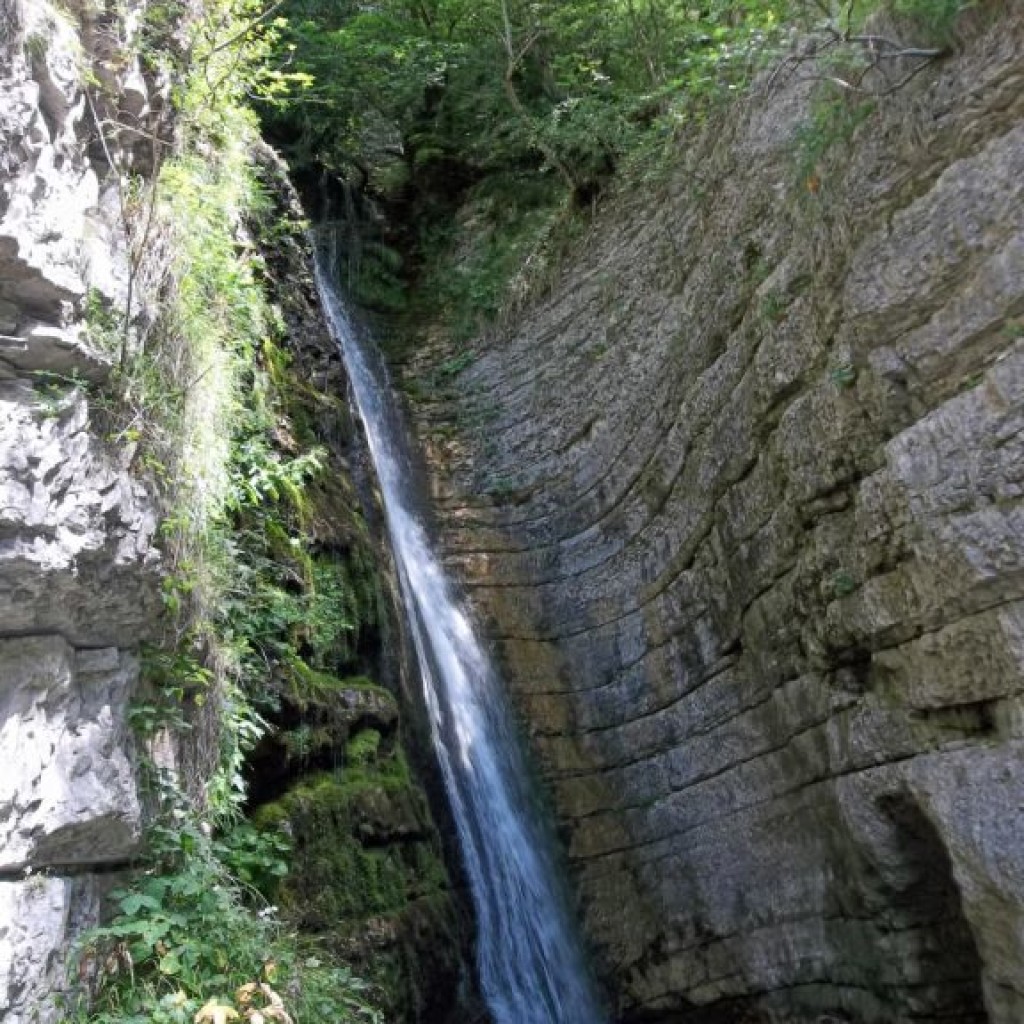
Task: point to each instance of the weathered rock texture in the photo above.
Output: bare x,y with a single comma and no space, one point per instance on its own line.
79,575
78,587
745,519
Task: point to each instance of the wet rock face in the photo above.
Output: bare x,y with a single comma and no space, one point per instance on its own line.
753,553
78,574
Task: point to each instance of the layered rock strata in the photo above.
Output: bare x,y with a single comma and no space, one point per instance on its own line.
745,519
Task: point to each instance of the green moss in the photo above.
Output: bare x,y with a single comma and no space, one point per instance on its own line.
305,741
363,747
312,688
362,841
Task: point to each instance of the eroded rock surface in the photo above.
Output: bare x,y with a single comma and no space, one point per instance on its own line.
78,574
746,522
68,795
36,916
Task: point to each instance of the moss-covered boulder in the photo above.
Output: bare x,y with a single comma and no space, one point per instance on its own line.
367,874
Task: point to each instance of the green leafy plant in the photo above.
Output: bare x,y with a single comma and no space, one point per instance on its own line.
56,391
842,583
102,323
188,935
773,306
256,859
844,375
454,366
36,46
362,749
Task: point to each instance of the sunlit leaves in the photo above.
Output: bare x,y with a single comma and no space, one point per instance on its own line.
495,83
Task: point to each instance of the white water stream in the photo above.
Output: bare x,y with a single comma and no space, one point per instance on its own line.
530,963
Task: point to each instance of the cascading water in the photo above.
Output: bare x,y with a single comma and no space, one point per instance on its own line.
531,967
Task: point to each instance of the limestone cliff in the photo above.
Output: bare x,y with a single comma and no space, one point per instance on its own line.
82,583
78,573
745,520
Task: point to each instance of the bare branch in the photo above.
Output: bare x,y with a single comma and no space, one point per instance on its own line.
879,48
895,49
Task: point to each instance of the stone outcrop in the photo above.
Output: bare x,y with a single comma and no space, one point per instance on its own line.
70,797
367,875
78,574
39,915
745,521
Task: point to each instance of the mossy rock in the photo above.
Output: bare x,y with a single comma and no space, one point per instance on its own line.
413,956
351,698
322,723
366,874
363,844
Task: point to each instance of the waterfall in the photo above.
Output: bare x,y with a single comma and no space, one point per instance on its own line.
531,967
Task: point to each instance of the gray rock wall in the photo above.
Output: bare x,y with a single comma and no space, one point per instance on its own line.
745,521
78,574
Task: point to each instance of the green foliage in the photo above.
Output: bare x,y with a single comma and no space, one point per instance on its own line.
261,598
173,677
259,474
922,20
854,51
187,932
200,413
936,19
1013,329
842,583
526,105
55,392
844,375
520,112
347,863
512,226
258,860
247,600
36,46
565,86
377,281
501,488
300,609
363,748
102,323
773,307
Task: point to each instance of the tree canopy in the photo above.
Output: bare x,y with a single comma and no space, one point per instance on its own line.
525,105
404,88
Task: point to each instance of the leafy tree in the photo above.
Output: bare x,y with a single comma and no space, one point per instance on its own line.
480,86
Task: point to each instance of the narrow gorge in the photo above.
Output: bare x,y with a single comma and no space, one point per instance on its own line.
739,500
678,678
